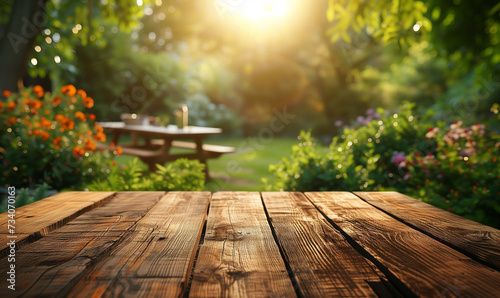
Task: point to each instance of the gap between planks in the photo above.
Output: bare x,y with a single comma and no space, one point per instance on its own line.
425,266
477,241
37,219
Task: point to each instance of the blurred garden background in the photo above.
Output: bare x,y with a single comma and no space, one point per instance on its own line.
314,95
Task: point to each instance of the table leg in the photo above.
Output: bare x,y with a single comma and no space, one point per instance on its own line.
116,137
135,139
201,156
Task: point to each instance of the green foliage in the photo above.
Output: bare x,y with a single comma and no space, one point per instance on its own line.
183,174
385,20
356,160
70,24
455,168
26,196
123,79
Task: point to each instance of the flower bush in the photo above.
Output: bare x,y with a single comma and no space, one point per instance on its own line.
49,138
453,167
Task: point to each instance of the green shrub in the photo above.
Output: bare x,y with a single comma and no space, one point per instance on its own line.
455,167
26,196
182,174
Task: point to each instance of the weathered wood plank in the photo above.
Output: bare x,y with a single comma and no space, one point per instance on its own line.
474,239
239,257
52,265
323,262
39,218
155,257
424,265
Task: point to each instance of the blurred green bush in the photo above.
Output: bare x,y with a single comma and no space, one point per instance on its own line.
182,174
453,167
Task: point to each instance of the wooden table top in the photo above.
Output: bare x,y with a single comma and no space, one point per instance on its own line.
250,244
170,130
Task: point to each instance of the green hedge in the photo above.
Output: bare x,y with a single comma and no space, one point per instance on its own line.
454,167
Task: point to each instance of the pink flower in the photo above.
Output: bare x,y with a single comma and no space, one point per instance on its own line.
398,157
456,124
478,128
428,159
339,123
465,152
432,132
407,176
360,119
370,111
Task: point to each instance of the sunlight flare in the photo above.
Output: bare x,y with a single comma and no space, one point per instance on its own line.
256,10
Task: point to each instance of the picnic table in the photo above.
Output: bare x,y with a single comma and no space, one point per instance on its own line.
250,244
158,140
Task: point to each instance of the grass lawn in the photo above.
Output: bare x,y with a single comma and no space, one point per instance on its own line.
244,169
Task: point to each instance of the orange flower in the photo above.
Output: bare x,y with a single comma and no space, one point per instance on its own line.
45,135
68,123
11,121
90,145
6,93
78,152
57,100
34,104
92,117
112,144
57,140
88,102
37,132
98,128
11,105
119,150
59,117
38,90
1,105
81,116
100,137
69,89
82,93
46,123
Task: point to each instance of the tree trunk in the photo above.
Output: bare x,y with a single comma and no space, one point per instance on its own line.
16,45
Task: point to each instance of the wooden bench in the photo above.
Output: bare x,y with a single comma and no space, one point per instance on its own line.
212,150
153,154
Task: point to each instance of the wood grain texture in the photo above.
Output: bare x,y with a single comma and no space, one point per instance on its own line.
39,218
323,262
155,257
476,240
239,257
427,267
52,265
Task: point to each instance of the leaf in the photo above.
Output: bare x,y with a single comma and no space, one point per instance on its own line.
330,13
495,9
